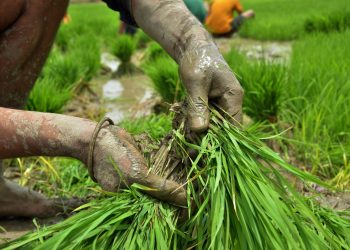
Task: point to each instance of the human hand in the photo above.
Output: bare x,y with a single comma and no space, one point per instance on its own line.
248,14
115,148
207,77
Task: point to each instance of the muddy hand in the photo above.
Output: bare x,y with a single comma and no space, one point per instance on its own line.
208,78
203,70
118,163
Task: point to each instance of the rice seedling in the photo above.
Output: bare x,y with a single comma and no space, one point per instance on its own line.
163,72
156,126
63,68
124,47
87,55
264,85
317,85
336,21
63,37
242,202
153,51
70,179
285,20
88,18
48,95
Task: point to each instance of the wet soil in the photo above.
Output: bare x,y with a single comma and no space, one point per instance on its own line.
116,97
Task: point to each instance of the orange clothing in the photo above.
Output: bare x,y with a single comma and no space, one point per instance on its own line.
220,16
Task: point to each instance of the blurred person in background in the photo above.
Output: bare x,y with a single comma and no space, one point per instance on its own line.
125,28
197,8
220,20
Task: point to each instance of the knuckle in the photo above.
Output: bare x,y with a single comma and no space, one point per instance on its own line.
236,91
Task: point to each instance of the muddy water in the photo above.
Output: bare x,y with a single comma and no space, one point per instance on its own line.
272,51
115,97
125,97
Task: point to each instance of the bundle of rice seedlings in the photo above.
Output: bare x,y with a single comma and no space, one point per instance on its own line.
241,202
123,48
163,72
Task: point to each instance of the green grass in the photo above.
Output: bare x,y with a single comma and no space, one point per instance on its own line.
286,20
86,52
63,69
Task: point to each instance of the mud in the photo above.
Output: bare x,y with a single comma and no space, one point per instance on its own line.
118,98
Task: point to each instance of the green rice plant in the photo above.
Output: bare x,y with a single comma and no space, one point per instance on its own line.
87,55
336,21
71,179
153,51
156,126
242,202
89,18
163,72
285,20
63,68
63,36
264,90
263,83
318,84
48,95
123,48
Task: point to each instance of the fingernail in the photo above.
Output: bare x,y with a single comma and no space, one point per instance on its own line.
198,124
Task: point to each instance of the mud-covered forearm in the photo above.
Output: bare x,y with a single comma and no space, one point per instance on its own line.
171,24
25,133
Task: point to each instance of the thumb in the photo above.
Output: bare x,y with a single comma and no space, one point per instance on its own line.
197,105
197,113
165,190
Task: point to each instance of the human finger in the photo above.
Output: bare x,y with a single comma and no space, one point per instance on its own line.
229,95
197,86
